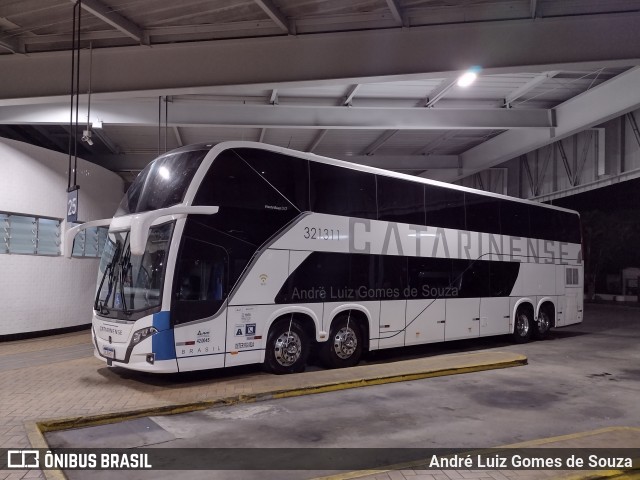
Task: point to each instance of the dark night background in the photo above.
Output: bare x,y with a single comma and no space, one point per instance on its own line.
610,230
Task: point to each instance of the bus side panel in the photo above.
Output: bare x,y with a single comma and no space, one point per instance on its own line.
249,326
463,318
201,345
262,283
494,316
425,321
392,323
574,294
560,291
539,279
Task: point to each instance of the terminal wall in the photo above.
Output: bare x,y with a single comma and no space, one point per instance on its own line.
39,293
591,158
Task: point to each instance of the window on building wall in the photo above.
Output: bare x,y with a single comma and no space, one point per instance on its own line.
90,243
29,235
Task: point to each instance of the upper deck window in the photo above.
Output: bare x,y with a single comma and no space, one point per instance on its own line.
343,191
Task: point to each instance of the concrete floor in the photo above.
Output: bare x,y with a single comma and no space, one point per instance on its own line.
583,377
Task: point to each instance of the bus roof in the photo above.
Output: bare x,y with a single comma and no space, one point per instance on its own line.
216,148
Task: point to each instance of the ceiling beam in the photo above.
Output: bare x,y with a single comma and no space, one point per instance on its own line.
273,100
184,114
562,43
105,139
440,91
404,162
274,14
316,141
9,43
436,142
379,142
396,12
138,160
527,87
348,99
61,145
107,15
604,102
179,141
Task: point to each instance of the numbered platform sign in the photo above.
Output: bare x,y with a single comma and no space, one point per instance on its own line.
72,206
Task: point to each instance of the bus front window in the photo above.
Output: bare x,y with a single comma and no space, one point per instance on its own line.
130,286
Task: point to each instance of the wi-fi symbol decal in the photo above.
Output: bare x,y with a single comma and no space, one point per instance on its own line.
263,278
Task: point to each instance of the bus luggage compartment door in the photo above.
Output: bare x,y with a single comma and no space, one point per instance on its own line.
463,318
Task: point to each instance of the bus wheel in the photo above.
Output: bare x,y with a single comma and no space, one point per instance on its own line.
543,325
344,347
524,325
287,348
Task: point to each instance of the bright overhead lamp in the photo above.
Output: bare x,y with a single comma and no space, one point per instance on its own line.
468,77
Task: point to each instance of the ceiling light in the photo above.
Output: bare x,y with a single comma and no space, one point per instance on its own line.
468,77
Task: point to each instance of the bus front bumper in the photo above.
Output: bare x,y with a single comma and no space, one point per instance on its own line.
142,357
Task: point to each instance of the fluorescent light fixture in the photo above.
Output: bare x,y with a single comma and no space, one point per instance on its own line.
468,77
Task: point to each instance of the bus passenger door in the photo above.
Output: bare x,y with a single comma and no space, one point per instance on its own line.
199,291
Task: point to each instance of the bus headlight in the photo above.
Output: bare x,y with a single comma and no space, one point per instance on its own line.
142,334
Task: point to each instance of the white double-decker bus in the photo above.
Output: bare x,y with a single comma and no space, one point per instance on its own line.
240,253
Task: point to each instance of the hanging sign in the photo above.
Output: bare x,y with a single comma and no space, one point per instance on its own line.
72,206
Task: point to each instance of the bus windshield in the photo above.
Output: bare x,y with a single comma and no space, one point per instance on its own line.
162,183
129,286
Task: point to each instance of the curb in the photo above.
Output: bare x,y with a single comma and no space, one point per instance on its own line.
102,419
631,474
36,430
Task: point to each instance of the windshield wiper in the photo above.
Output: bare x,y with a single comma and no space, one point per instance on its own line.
125,265
102,306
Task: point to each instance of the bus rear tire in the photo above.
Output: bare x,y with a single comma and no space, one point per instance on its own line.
543,325
523,325
344,347
287,348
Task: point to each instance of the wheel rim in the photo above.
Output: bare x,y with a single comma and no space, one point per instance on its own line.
522,325
288,348
345,342
544,323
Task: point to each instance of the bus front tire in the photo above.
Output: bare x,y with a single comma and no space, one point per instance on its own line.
523,325
344,346
287,348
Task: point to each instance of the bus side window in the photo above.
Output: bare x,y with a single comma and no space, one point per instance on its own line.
444,207
200,283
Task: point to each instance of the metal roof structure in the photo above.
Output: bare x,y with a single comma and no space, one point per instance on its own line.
370,81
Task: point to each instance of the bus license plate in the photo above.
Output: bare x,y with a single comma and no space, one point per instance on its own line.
109,352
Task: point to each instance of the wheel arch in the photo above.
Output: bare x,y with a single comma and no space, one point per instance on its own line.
307,318
359,313
522,302
548,302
